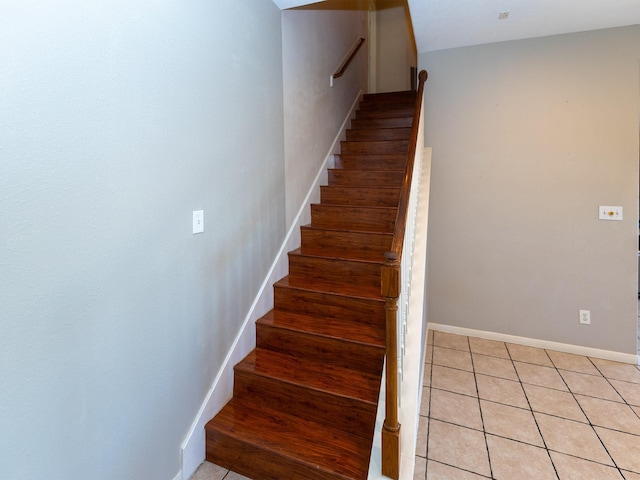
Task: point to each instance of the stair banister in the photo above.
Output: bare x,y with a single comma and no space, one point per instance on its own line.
346,61
393,280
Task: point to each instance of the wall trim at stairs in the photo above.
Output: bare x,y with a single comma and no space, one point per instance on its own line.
193,447
533,342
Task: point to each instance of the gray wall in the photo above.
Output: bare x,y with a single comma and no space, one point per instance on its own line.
117,119
529,138
315,40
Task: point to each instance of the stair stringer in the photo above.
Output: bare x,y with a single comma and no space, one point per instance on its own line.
193,449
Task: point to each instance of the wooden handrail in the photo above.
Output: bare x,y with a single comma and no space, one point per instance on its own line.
347,60
390,289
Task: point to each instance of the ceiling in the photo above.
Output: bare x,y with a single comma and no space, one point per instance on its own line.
440,24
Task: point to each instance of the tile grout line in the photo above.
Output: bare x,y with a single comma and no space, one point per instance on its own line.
524,391
484,430
585,413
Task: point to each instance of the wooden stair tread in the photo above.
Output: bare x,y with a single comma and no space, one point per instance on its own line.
346,290
333,453
336,328
332,379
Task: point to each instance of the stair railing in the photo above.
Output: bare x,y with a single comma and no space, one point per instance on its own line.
395,281
346,61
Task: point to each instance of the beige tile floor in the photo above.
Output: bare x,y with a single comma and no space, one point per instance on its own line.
505,411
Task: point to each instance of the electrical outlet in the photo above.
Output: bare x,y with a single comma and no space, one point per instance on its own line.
585,317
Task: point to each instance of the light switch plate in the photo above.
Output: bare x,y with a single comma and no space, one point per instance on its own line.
610,213
198,221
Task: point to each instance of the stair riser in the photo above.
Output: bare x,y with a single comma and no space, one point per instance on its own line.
385,113
369,123
384,147
331,351
347,414
255,462
371,162
355,245
356,178
379,134
355,196
356,218
389,98
329,305
335,271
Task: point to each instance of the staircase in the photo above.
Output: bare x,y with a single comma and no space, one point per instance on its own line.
305,400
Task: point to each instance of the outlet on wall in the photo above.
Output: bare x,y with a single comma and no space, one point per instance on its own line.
585,317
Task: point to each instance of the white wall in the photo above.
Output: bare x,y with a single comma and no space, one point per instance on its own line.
117,119
528,138
315,40
396,48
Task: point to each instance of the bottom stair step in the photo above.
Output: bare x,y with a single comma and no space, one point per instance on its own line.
267,444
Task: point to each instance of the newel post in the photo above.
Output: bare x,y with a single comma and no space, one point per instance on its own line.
390,285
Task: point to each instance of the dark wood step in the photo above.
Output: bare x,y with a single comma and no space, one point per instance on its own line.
365,178
378,147
389,98
266,444
344,243
333,270
326,393
378,134
373,196
368,219
397,161
392,122
312,301
391,112
333,341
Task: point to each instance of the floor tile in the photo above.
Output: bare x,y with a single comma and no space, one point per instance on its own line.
539,375
455,408
425,401
423,434
439,471
507,460
630,392
630,475
575,363
554,402
449,340
522,353
235,476
590,385
453,380
428,354
510,422
447,357
573,438
573,468
209,471
617,370
458,446
501,390
419,468
428,372
488,347
430,337
608,414
623,447
494,366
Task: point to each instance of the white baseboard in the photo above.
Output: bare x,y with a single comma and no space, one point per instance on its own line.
533,342
193,447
